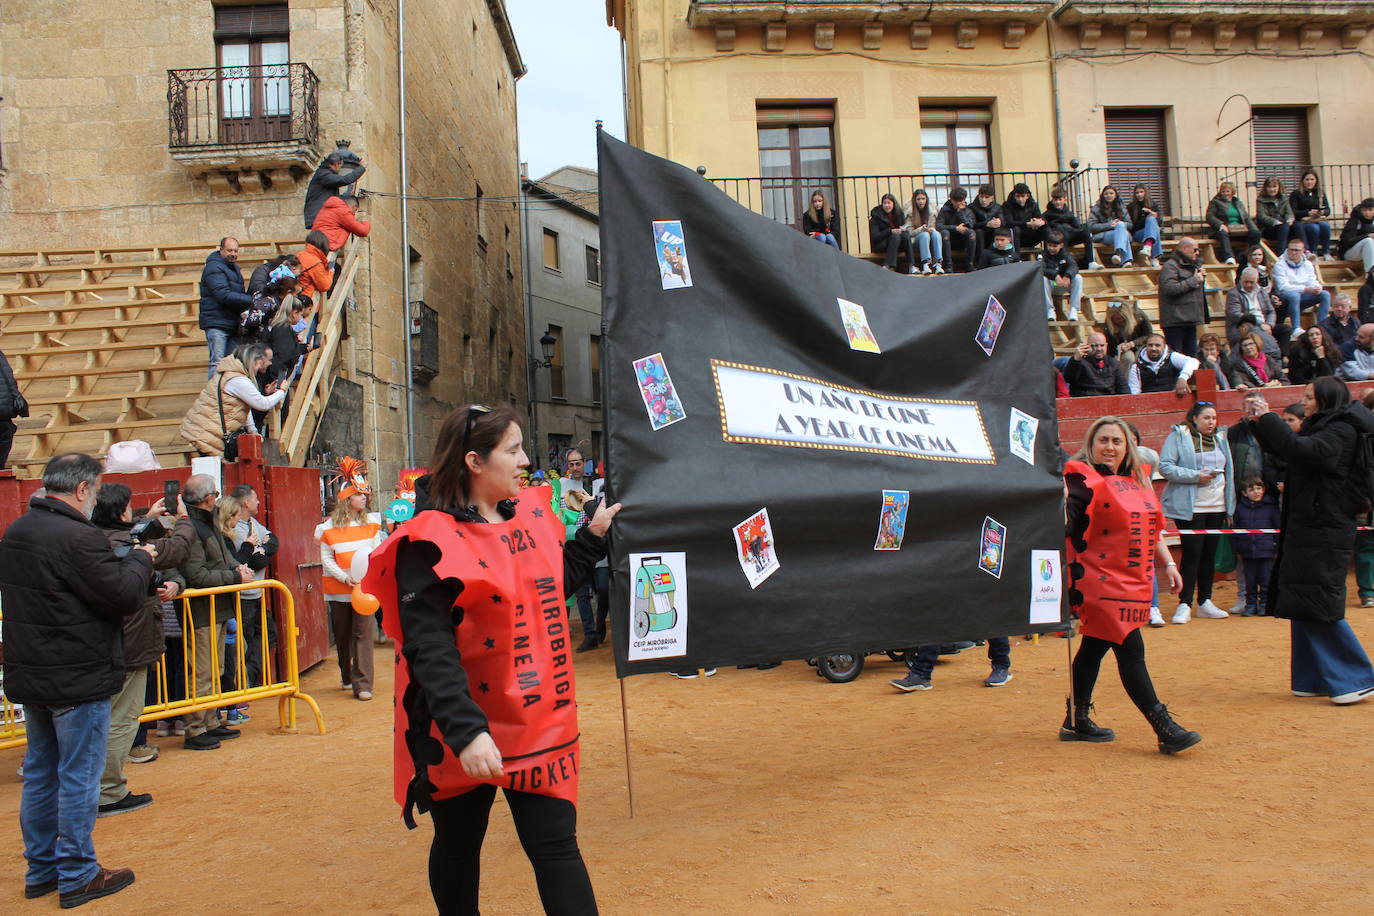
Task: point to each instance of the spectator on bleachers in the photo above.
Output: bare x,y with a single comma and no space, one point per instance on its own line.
12,405
1340,326
1058,216
264,546
227,402
1092,373
1258,258
988,215
1110,224
1357,238
222,299
930,240
285,341
1058,271
1312,210
1159,368
1231,222
957,222
1274,214
1003,250
1365,303
1311,356
1360,366
1213,357
1145,230
887,237
1244,327
1252,367
316,277
1297,285
263,273
820,222
1182,297
338,220
1247,298
255,321
327,180
1128,327
1023,214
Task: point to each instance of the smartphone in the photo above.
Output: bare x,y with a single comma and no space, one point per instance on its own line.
170,490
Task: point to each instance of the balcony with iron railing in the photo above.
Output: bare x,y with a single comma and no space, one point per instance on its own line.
263,117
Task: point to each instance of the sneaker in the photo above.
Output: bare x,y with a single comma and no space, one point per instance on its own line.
939,268
1238,607
1231,261
202,742
1073,314
913,270
130,802
1307,693
1156,618
1127,263
1354,696
1210,611
346,686
163,730
236,717
998,677
106,881
1367,602
1116,260
1093,265
912,681
364,695
179,727
925,268
221,733
689,675
1183,614
143,753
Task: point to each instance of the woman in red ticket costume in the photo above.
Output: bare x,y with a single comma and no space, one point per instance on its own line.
472,589
1112,524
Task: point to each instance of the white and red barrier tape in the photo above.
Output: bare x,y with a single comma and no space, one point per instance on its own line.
1239,530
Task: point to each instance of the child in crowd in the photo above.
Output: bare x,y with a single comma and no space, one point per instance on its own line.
1003,250
1256,509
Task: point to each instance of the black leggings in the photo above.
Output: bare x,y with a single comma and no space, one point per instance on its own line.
1130,662
547,828
1199,559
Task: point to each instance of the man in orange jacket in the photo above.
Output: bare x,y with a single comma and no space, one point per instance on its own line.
337,219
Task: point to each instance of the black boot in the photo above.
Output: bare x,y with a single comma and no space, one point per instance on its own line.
588,642
1078,727
1172,736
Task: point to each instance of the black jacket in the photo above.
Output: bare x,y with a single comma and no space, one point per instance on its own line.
286,349
1058,265
262,274
143,635
324,184
949,218
1356,228
1061,218
222,298
1018,215
1304,202
993,257
881,226
1340,334
810,225
1088,378
982,214
1365,300
1135,209
64,593
1318,525
1304,365
9,387
1182,293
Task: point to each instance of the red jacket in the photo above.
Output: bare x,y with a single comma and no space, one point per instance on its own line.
337,221
315,276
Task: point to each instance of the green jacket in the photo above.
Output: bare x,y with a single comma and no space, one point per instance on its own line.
1273,211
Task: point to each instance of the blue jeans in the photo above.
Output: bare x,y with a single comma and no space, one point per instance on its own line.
929,247
1328,658
62,768
1074,292
1279,235
827,238
923,662
220,344
1120,238
1296,300
1150,231
1317,236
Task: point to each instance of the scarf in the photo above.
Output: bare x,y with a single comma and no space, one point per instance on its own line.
1260,365
1205,443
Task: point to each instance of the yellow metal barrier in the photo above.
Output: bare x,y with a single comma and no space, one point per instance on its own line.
286,688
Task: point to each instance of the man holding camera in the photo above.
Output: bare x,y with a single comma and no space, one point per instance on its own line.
64,592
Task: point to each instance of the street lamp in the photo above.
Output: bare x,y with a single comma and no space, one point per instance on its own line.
546,343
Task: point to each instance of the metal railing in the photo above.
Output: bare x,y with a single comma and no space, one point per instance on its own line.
221,106
1182,192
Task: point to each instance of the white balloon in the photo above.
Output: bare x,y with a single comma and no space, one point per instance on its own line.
358,567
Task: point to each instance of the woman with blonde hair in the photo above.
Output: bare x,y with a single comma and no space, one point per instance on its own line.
1112,523
819,221
1230,222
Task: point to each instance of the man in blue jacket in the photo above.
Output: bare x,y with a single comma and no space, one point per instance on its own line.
222,300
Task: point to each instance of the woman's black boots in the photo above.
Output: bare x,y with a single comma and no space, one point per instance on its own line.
1172,736
1078,727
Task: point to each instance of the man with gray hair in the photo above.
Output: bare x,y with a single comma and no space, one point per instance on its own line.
1248,300
65,592
1340,326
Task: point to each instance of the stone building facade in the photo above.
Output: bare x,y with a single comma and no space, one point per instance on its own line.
106,135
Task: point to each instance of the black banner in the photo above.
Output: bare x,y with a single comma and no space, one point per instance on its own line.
774,407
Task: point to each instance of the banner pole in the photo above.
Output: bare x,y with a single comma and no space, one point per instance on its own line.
629,768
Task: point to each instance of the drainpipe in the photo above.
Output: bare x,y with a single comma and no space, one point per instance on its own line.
1054,91
405,230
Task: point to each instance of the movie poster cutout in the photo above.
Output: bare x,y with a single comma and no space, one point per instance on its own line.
856,328
992,548
1021,434
1046,587
892,520
755,548
658,605
670,247
656,387
991,325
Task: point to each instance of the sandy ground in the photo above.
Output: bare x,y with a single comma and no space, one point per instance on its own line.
776,792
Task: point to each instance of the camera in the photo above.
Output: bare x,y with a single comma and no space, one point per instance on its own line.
139,534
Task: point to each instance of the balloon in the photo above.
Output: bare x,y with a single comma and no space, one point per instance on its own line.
357,567
363,603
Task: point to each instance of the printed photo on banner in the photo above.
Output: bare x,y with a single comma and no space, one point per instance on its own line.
993,546
856,327
1021,434
656,387
1045,587
755,549
658,605
892,520
670,247
991,325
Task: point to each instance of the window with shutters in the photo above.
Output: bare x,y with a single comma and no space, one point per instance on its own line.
955,149
1281,144
556,389
594,360
593,265
253,52
796,158
551,249
1137,152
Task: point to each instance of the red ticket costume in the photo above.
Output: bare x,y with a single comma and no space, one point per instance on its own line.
513,641
1111,572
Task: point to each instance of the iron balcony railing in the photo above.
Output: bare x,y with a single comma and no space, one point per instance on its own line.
1182,192
221,106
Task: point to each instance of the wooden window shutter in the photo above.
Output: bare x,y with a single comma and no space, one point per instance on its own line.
803,116
942,117
1281,144
1137,152
246,23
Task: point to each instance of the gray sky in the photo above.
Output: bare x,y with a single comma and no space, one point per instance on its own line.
573,59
